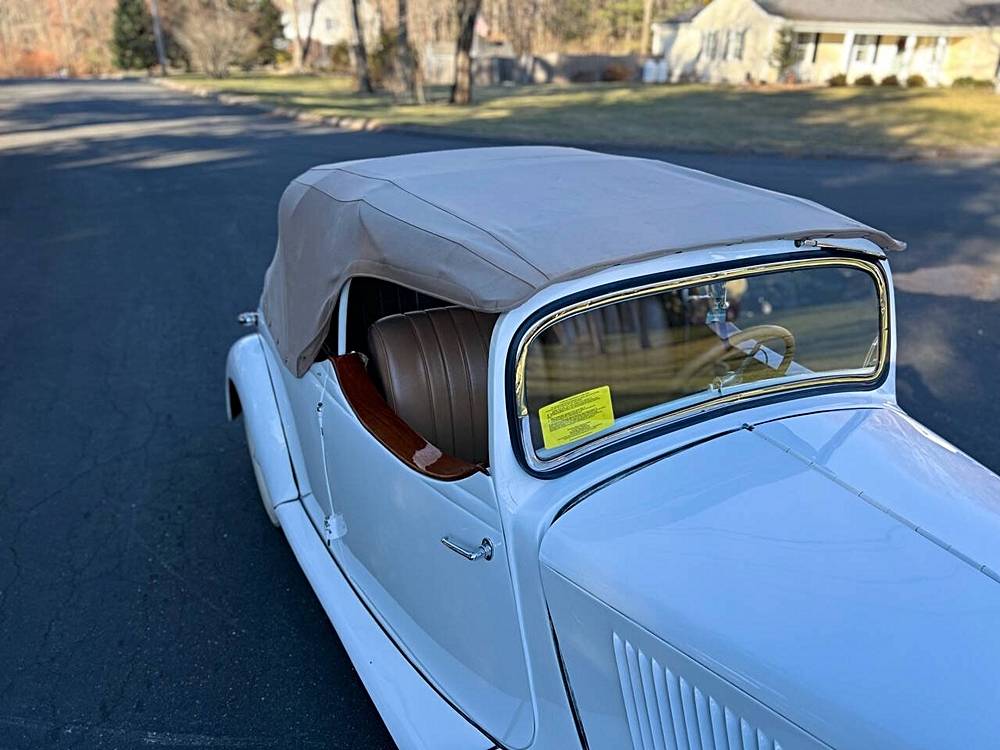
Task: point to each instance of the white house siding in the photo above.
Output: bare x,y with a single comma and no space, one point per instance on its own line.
334,23
694,49
693,53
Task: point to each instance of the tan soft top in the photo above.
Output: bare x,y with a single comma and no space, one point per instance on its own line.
486,228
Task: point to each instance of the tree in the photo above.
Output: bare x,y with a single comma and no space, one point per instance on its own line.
360,52
523,21
409,72
133,43
42,37
647,23
468,12
217,35
300,51
786,53
570,20
161,50
267,28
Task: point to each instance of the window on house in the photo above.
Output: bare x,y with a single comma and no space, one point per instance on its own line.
711,44
733,49
802,42
864,48
739,42
724,53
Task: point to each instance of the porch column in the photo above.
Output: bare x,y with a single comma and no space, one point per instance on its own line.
845,54
908,48
810,51
940,50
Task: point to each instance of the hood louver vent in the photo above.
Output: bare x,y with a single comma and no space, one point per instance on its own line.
666,712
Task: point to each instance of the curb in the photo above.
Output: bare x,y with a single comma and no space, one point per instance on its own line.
294,113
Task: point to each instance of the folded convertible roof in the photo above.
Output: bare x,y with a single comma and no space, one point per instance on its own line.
486,228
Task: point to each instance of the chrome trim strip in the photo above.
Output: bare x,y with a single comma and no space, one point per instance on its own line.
836,378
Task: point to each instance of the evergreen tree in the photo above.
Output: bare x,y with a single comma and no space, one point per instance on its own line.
785,54
133,44
267,28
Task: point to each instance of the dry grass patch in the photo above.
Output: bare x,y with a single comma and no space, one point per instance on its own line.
807,121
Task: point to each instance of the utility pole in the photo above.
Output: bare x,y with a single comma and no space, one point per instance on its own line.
158,34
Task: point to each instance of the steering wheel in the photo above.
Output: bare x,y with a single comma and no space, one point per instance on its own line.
694,373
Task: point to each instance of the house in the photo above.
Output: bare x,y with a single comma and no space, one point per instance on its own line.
732,41
332,23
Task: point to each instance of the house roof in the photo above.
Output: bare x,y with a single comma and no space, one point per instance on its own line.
486,228
944,12
684,16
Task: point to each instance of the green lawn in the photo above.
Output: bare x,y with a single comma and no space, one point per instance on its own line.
807,120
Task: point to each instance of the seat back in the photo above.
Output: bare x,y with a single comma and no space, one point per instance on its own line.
432,368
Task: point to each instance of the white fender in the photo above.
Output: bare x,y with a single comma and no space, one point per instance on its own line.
250,392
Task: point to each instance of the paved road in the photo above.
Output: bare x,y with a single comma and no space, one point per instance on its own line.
144,598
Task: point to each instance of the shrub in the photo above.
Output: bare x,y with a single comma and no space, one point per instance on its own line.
890,81
32,63
217,35
838,80
617,72
916,81
968,82
865,80
340,57
387,66
382,60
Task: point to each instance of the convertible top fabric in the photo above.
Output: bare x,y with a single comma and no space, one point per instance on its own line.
486,228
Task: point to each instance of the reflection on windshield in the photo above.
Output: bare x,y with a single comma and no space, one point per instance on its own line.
691,344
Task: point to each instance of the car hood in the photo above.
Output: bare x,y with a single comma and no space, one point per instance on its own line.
838,567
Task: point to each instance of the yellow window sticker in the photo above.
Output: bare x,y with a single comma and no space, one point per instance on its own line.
576,416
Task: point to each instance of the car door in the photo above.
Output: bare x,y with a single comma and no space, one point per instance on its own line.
453,617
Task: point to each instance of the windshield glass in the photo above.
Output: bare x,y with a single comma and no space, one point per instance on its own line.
689,345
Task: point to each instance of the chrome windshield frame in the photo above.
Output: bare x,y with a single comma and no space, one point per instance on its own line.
846,378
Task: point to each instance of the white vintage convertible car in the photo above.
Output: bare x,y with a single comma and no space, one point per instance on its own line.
585,451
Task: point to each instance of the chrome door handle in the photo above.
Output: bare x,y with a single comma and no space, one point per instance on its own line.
484,550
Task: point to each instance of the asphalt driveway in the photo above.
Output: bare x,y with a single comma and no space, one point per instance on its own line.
144,597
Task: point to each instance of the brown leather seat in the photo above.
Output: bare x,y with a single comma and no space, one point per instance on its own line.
432,367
